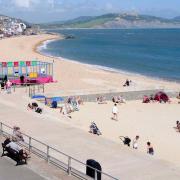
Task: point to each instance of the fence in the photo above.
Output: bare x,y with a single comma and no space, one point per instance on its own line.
60,159
31,88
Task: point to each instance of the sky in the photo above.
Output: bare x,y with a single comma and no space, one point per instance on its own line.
39,11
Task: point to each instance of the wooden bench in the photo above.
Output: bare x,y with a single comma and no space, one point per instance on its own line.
14,155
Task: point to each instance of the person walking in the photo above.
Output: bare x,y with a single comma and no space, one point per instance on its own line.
135,142
115,112
150,149
8,86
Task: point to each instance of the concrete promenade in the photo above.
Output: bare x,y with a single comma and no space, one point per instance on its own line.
8,171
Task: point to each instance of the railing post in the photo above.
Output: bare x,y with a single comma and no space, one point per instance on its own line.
14,87
29,91
34,89
38,88
95,177
30,144
26,87
1,126
47,154
69,166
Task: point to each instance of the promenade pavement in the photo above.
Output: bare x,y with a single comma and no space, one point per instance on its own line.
8,171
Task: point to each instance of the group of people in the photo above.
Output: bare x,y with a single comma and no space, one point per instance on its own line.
34,107
6,84
150,149
160,97
135,142
118,99
101,100
12,143
71,105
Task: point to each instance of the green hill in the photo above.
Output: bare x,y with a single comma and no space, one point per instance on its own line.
114,20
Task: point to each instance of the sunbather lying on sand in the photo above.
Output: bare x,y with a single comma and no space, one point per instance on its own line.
34,106
101,100
118,99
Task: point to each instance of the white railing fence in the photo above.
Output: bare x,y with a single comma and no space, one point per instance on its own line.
51,155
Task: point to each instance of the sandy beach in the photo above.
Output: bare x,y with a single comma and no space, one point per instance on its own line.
75,77
153,122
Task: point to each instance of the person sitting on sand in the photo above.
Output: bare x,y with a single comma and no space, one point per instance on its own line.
146,99
94,129
151,98
29,107
135,142
150,149
127,83
79,100
115,112
101,100
115,100
178,97
66,110
120,99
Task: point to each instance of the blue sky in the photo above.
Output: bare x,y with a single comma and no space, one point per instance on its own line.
53,10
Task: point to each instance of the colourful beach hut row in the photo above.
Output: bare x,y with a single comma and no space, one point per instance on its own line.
18,63
28,69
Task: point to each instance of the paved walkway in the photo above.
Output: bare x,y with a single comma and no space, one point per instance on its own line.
8,171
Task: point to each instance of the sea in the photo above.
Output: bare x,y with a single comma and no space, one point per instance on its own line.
149,52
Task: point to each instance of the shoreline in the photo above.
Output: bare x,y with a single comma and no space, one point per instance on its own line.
94,66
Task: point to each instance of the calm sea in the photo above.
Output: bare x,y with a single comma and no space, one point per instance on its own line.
150,52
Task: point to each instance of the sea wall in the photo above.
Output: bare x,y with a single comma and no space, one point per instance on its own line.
130,95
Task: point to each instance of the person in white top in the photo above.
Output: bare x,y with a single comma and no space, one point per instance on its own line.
135,142
14,146
115,112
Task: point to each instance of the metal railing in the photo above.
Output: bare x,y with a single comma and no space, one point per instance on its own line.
51,155
30,88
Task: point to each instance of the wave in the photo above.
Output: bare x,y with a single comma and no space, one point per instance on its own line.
44,45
